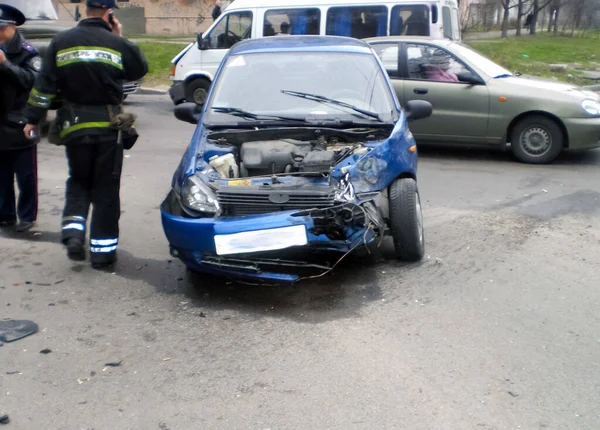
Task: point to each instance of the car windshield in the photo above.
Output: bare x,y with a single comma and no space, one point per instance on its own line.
34,9
483,63
317,86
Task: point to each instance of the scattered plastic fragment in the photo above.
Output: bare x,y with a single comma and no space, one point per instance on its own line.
114,364
45,351
11,330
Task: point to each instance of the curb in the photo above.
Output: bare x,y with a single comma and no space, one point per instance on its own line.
145,90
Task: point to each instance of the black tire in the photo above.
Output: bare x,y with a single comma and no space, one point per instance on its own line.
196,91
537,139
406,220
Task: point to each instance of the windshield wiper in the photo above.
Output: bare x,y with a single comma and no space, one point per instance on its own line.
506,75
250,115
323,99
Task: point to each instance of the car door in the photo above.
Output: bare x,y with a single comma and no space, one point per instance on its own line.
388,53
460,109
232,28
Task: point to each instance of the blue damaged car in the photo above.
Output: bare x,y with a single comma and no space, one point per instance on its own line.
301,154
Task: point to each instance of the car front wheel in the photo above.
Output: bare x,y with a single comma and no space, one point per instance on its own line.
406,219
537,139
196,91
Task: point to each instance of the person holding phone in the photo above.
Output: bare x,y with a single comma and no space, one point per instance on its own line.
87,65
19,65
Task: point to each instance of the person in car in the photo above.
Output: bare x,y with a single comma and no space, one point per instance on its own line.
284,29
437,68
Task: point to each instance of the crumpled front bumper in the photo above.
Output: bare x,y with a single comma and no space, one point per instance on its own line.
192,240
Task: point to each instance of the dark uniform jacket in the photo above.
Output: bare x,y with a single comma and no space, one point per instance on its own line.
85,65
17,76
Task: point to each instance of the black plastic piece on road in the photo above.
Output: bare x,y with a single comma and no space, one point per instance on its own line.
11,330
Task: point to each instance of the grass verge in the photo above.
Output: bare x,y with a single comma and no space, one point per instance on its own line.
532,55
159,56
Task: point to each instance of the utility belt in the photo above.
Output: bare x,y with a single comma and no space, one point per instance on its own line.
74,122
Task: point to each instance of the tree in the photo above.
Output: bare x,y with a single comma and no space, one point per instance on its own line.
538,6
506,7
522,12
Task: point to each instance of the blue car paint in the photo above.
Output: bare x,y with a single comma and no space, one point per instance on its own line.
373,171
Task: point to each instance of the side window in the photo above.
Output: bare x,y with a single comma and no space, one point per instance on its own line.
447,22
410,21
232,28
429,63
358,21
388,54
282,22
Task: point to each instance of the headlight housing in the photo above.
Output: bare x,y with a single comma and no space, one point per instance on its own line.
199,197
592,107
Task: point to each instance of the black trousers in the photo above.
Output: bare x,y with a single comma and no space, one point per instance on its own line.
94,179
21,163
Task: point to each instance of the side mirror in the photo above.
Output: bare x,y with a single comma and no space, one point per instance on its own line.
188,112
418,109
203,44
469,78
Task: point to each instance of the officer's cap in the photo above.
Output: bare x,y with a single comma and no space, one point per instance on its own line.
10,16
102,4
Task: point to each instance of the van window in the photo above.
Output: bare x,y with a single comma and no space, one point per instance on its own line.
359,22
232,28
279,22
447,22
410,20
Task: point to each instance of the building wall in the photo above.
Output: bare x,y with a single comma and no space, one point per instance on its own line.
161,16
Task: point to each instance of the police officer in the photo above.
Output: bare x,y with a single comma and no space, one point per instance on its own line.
19,63
86,66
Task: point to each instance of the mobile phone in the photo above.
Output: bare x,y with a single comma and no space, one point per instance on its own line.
111,18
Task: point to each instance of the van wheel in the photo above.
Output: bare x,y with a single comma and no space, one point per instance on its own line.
537,140
196,91
406,220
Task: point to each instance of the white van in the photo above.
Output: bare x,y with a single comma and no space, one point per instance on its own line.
194,67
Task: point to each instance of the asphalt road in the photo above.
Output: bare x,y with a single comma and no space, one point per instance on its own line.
498,328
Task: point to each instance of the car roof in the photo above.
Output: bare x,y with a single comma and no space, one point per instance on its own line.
301,44
398,39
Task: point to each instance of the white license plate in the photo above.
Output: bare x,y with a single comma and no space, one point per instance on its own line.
261,240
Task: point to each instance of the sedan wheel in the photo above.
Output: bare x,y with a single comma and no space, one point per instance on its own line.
537,140
406,219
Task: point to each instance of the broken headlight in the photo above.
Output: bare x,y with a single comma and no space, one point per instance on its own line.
198,196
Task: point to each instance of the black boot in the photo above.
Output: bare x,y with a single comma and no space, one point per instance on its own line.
23,226
75,249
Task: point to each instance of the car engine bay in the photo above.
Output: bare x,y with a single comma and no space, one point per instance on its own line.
259,154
